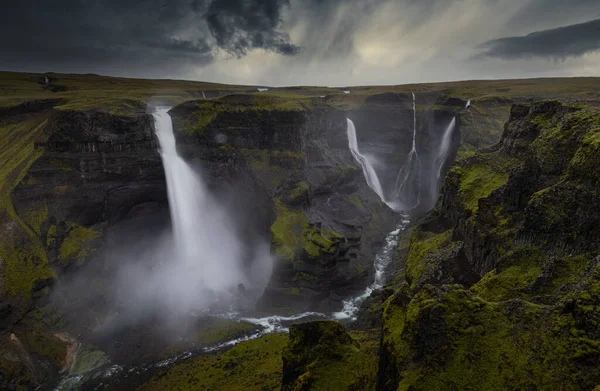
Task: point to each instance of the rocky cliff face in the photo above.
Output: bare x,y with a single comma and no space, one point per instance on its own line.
94,176
324,221
501,281
293,159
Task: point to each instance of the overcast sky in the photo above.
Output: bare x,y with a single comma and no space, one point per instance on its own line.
304,42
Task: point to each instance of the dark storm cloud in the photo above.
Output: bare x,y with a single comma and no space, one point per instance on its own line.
241,25
134,36
559,43
544,14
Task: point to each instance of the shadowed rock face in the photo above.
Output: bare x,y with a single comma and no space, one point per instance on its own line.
325,222
507,263
385,133
95,169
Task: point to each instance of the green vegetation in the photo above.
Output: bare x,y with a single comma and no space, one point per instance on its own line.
23,265
199,114
24,260
251,365
48,346
218,330
322,356
468,343
422,250
113,94
517,270
75,245
36,217
479,178
300,190
292,231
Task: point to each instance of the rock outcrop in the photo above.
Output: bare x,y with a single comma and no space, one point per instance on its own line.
322,356
501,285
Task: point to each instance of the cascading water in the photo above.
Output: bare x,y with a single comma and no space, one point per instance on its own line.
203,95
408,179
205,253
444,148
364,161
382,261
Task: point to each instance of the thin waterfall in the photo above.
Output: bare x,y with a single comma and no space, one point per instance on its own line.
203,95
468,104
444,148
364,161
411,168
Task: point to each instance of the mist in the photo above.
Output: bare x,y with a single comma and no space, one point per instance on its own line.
197,256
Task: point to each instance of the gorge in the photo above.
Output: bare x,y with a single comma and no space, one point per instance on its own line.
214,244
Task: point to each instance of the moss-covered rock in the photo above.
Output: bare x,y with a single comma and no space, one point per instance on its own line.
321,355
447,338
523,217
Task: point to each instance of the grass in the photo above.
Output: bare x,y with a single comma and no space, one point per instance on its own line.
423,249
463,342
251,365
219,330
21,249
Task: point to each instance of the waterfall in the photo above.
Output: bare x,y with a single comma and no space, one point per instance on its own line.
203,95
444,148
364,161
207,254
410,169
468,104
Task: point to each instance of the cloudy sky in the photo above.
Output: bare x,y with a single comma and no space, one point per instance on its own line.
304,42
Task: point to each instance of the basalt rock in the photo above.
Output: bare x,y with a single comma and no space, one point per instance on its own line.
512,244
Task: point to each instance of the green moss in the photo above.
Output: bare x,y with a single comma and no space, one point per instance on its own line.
219,330
570,269
75,245
251,365
294,291
292,232
462,342
424,247
301,276
287,231
322,356
355,200
478,181
34,218
22,267
517,270
300,190
48,346
543,121
206,111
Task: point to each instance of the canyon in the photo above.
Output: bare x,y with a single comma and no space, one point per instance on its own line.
491,275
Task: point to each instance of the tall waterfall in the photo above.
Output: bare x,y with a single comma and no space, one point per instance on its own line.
207,254
408,179
203,95
364,161
444,148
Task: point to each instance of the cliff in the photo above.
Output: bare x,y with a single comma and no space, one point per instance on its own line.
501,280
